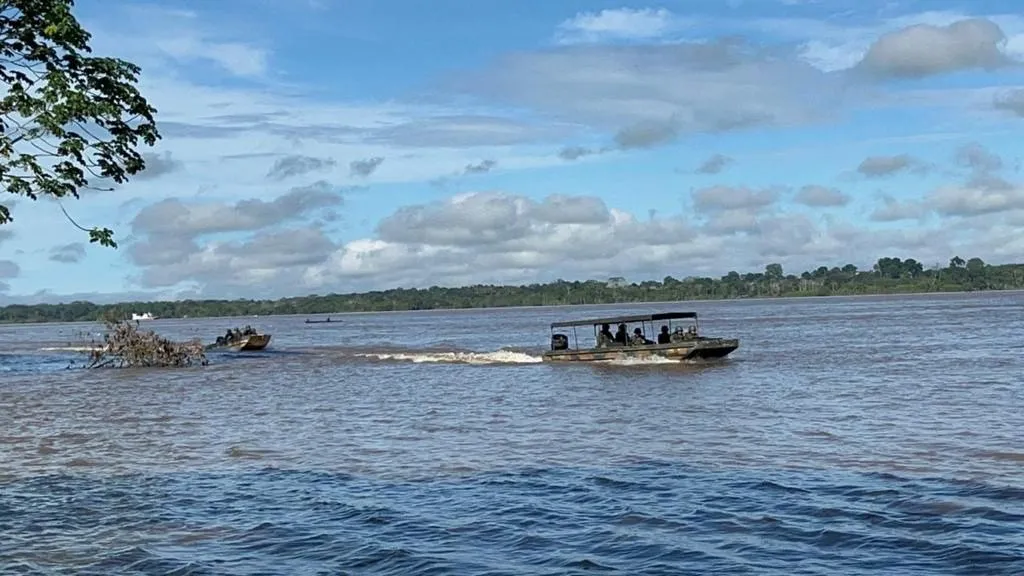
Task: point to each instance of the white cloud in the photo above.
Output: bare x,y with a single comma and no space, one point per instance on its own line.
68,253
467,130
925,50
485,236
926,42
714,164
266,264
648,94
621,23
174,218
162,38
883,166
976,201
9,269
983,193
821,197
1011,102
495,236
235,57
893,210
502,237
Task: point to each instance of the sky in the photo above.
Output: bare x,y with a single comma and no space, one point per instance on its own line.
332,146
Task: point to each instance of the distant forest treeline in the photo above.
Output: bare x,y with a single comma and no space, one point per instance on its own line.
887,276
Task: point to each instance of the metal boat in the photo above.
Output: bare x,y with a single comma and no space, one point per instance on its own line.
247,340
674,343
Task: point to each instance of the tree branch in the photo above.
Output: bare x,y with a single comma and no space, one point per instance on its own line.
81,116
70,219
103,236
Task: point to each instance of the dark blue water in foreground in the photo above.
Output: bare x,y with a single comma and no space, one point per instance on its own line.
867,436
651,518
34,363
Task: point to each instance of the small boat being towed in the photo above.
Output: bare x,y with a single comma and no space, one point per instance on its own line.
247,340
678,344
250,343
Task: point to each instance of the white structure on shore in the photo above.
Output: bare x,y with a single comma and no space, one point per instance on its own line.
145,316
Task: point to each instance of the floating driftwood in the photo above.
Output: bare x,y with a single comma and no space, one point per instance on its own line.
124,345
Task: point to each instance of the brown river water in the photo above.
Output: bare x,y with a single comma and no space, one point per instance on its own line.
873,435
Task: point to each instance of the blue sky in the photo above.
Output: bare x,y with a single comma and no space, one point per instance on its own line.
314,146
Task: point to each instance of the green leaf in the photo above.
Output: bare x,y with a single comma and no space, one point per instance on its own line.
102,236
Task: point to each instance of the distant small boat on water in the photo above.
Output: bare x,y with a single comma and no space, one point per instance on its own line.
327,321
144,316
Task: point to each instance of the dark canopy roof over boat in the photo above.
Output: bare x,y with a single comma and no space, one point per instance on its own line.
627,319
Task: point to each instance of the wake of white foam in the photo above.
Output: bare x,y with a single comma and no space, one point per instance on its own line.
72,349
499,357
638,361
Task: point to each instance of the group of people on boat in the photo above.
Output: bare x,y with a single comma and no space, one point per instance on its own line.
235,335
605,338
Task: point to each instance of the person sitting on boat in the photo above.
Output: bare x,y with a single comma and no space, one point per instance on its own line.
664,337
678,335
229,336
620,334
604,337
638,338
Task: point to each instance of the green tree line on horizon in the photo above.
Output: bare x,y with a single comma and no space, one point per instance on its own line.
887,276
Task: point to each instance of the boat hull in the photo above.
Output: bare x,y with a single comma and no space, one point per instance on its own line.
702,349
246,344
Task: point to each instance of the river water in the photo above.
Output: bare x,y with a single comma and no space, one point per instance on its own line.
845,436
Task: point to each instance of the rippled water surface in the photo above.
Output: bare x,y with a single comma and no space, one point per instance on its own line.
845,436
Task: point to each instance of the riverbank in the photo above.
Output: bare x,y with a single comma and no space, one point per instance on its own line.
504,297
